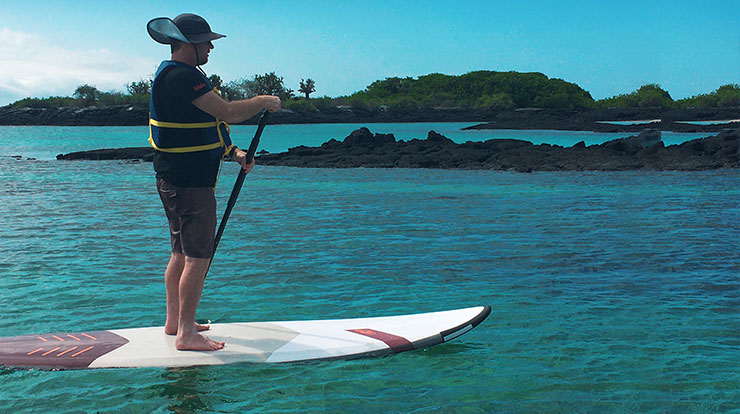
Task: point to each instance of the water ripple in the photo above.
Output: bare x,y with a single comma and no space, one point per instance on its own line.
610,291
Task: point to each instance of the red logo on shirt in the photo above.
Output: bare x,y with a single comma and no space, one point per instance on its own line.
199,87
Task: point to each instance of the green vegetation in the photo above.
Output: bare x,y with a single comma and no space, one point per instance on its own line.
88,95
725,96
481,89
652,96
141,87
267,84
323,104
648,96
50,102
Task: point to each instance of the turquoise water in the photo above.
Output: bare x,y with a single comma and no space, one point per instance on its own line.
611,291
45,142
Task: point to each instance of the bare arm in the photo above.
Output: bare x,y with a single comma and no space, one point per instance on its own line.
235,111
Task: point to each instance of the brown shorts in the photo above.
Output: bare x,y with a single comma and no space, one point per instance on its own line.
191,212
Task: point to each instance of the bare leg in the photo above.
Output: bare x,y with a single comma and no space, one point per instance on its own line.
190,289
172,284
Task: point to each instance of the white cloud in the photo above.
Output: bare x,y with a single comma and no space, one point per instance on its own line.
34,66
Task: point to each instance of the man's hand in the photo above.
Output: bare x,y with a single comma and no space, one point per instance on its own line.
271,103
241,157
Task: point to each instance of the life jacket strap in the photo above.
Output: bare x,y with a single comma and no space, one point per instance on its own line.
191,125
183,125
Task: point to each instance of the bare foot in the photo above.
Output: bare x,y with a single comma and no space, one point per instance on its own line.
171,329
197,342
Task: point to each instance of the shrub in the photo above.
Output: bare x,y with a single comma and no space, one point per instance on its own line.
300,105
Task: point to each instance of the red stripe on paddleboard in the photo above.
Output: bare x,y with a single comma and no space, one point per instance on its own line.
395,343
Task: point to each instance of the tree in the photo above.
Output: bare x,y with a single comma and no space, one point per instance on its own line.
236,90
652,95
216,81
728,95
307,87
141,87
87,94
725,96
231,92
112,98
269,84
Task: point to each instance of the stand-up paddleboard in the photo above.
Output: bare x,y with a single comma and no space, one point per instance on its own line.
289,341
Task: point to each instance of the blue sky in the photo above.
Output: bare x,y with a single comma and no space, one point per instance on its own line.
688,47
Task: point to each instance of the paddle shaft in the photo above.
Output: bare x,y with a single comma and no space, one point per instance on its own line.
239,182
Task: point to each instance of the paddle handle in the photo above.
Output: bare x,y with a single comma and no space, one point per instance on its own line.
240,180
256,140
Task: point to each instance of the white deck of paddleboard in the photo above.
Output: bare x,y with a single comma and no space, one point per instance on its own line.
291,341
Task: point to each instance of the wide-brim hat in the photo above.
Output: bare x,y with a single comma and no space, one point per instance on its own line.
187,27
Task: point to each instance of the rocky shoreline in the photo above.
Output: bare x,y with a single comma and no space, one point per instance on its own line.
614,120
529,118
363,149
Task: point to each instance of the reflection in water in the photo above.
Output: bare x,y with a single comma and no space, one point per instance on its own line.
186,389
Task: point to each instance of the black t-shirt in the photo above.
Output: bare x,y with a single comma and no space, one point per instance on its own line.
174,91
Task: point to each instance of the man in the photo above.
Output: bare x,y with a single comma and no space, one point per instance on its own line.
188,131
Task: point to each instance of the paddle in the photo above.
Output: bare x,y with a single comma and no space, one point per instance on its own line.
238,185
